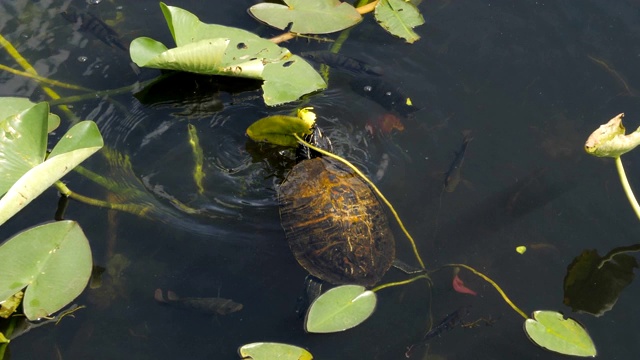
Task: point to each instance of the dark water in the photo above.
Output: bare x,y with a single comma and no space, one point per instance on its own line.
531,80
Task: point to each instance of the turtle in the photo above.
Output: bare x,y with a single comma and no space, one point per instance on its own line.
335,225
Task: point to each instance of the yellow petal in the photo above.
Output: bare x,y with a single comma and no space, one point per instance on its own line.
307,114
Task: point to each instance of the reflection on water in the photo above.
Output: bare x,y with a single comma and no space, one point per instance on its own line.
520,75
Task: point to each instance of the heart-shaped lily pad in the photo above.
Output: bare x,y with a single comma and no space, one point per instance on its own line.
554,332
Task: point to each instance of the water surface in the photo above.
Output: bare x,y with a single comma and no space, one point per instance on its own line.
530,80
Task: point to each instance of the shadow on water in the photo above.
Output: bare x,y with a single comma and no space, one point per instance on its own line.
531,80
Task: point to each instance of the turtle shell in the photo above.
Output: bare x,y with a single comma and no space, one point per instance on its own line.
334,223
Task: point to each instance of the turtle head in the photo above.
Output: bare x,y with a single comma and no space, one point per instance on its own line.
316,138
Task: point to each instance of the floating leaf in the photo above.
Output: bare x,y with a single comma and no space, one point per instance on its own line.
286,81
201,57
278,129
550,330
12,105
307,17
52,260
270,351
220,50
23,155
399,17
593,284
609,139
23,143
339,309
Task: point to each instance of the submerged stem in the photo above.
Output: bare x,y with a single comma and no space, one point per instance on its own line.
13,52
493,283
42,79
135,209
403,282
375,189
627,187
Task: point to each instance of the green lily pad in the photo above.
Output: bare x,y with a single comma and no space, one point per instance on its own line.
10,106
270,351
339,309
278,129
24,150
399,17
221,50
52,260
202,57
307,17
23,143
550,330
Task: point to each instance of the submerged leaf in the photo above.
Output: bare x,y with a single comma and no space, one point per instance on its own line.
609,139
52,260
593,284
339,309
270,351
550,330
399,17
458,285
307,17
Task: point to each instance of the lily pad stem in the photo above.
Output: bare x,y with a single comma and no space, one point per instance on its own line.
493,283
627,187
373,186
367,8
403,282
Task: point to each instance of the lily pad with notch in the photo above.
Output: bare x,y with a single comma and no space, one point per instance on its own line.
552,331
213,49
53,261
